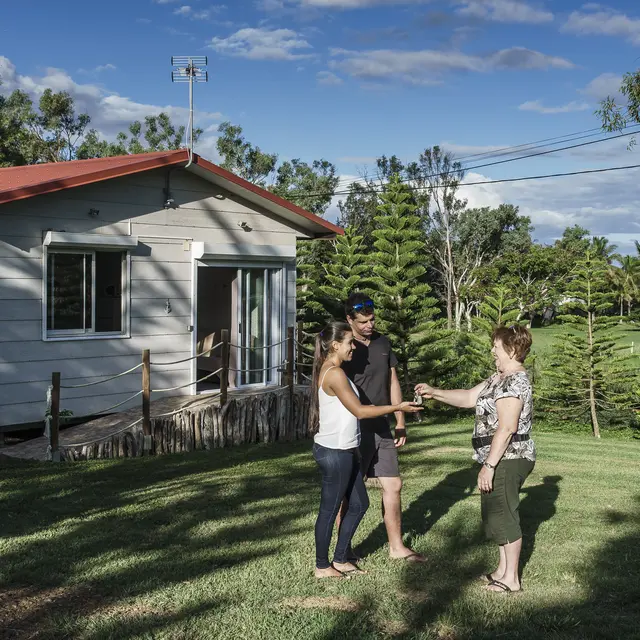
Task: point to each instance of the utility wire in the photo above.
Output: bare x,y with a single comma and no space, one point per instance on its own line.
478,166
507,151
524,178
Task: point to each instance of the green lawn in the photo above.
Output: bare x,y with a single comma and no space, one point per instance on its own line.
220,545
543,337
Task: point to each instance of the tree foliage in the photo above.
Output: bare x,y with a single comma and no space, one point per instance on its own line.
407,310
586,374
53,131
617,115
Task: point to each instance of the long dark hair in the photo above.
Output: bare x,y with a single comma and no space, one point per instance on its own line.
335,331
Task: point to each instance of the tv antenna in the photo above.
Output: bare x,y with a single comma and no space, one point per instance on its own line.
189,69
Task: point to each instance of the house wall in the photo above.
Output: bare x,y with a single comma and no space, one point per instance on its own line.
161,269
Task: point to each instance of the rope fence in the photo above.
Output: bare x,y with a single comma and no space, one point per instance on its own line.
289,367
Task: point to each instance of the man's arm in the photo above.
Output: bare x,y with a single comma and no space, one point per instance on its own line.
396,398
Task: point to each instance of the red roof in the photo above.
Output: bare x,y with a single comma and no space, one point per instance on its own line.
17,183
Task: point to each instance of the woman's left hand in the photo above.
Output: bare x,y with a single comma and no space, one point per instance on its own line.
485,480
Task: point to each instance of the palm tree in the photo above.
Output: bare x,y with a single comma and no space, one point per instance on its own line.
600,248
630,272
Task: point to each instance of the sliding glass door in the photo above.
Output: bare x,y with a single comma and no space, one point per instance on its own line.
260,313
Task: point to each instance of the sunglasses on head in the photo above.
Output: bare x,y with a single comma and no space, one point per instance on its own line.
367,304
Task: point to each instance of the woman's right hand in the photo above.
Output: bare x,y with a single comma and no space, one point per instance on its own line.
409,407
425,390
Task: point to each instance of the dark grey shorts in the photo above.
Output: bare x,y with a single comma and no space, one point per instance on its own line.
379,455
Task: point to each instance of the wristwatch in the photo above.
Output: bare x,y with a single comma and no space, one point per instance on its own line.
488,465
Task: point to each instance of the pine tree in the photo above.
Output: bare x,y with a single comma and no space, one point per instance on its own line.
586,374
345,271
498,308
406,310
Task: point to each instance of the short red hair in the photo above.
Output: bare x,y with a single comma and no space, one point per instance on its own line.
516,339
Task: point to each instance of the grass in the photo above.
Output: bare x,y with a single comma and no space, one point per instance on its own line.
544,337
220,545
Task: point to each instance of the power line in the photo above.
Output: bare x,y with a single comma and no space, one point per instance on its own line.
481,166
519,179
506,151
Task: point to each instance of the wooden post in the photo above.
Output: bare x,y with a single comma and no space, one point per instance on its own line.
290,358
224,374
54,431
300,351
146,400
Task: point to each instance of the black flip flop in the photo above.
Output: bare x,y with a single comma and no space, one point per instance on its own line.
504,589
487,578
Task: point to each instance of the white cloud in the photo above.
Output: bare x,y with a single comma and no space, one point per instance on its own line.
357,159
110,112
143,21
463,150
536,105
605,203
328,78
606,84
516,11
512,11
165,1
427,66
262,44
99,69
187,11
605,22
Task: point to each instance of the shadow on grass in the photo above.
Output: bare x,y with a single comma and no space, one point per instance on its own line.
538,506
424,512
607,607
93,534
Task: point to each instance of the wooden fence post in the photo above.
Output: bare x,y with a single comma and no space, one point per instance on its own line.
224,374
290,358
290,378
146,400
54,431
300,339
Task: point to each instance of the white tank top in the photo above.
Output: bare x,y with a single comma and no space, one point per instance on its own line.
339,428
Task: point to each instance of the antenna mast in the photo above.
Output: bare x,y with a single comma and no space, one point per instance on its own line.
189,69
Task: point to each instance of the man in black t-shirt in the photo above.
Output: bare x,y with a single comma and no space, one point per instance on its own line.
373,370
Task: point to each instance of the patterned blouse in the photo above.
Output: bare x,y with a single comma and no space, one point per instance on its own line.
515,385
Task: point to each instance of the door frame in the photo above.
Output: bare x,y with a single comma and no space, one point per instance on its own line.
281,313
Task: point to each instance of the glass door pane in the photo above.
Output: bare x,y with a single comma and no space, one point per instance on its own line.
254,326
255,311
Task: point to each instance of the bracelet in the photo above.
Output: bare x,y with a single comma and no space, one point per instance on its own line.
489,465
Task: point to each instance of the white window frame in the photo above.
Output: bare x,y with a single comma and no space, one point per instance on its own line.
83,334
278,333
278,312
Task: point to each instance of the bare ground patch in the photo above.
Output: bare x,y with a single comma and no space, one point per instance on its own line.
335,603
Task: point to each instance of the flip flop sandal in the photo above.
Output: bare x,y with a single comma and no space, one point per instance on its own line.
486,578
413,558
356,571
504,589
342,576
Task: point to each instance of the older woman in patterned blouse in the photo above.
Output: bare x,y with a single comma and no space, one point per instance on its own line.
503,446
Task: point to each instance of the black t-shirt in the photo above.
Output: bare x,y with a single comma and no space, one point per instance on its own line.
370,369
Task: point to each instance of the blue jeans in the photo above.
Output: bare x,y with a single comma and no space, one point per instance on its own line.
341,478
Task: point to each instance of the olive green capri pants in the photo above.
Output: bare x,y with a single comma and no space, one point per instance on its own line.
500,507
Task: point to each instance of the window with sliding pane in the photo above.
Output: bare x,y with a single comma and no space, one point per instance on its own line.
85,293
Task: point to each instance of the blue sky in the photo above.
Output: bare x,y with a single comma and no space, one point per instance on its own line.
349,80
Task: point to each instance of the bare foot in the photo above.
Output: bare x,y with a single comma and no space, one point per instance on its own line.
329,572
406,554
347,567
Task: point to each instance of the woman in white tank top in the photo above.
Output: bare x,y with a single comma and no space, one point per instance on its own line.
334,416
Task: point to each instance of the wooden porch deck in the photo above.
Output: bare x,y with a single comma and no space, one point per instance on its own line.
250,415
